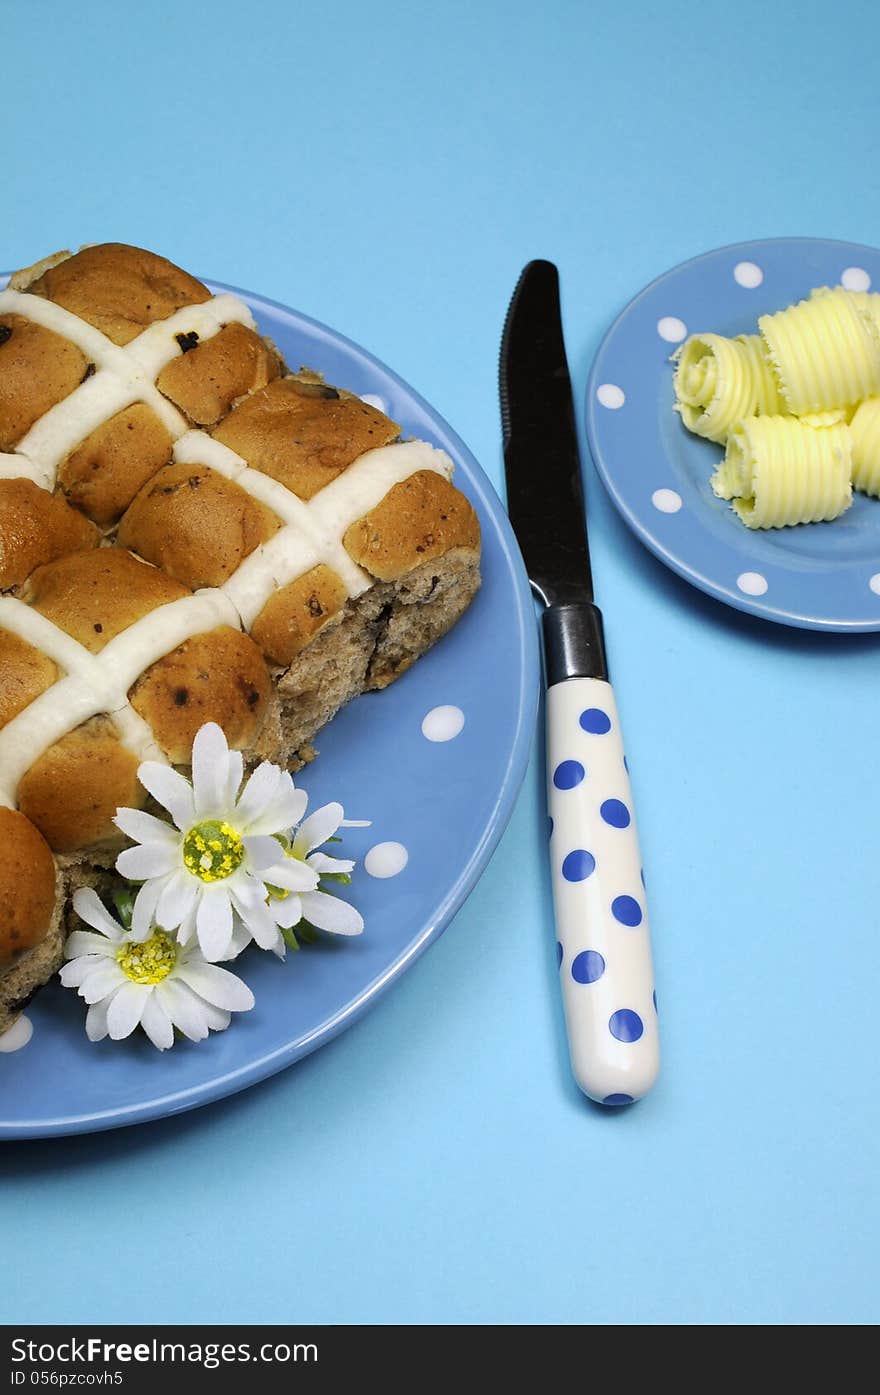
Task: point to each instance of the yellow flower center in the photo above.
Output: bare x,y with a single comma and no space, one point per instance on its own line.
151,961
212,851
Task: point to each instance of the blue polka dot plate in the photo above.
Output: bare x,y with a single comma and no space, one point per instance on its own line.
435,762
818,576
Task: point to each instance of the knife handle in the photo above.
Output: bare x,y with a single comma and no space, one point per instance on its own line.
603,949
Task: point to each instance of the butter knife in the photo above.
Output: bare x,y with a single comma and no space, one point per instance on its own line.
603,948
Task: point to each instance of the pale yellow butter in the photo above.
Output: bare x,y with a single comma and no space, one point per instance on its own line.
825,351
865,432
778,472
720,381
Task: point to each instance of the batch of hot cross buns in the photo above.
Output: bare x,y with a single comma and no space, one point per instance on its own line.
190,532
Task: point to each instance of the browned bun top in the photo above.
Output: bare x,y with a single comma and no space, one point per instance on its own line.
195,524
27,887
37,527
96,595
421,518
293,615
303,432
37,369
106,470
119,289
72,791
206,378
25,672
218,677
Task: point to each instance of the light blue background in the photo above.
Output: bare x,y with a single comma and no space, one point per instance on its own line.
389,169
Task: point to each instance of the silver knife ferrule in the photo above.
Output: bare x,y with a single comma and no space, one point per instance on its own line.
574,643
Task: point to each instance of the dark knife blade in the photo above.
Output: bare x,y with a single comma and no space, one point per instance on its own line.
545,498
542,463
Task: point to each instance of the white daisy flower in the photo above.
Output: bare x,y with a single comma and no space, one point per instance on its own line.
153,981
215,861
286,905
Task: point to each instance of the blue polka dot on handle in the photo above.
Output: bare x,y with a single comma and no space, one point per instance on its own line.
627,911
626,1025
588,966
595,721
615,813
568,774
559,954
618,1099
578,865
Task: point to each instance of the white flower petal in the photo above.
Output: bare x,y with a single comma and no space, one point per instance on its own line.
147,860
241,938
356,823
217,986
241,908
256,794
234,776
329,913
261,924
125,1009
291,875
145,828
187,928
210,770
87,942
96,1020
246,888
318,827
145,906
184,1008
216,1018
169,789
320,863
92,910
214,922
288,912
262,851
178,899
283,811
156,1023
102,982
74,973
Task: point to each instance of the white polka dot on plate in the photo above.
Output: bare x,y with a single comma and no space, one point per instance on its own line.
672,329
752,583
442,723
874,583
748,275
373,401
17,1036
610,395
666,500
386,860
855,278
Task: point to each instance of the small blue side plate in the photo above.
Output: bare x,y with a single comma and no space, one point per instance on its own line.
446,802
820,576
